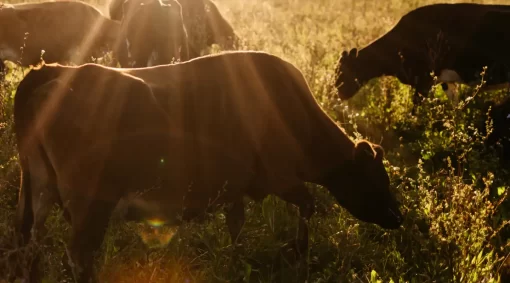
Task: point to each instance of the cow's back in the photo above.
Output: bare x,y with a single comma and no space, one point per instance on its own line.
425,22
253,108
100,127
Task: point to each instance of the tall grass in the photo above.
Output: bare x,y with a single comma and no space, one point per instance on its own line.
452,190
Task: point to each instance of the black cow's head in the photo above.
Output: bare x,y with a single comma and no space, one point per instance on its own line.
362,186
347,81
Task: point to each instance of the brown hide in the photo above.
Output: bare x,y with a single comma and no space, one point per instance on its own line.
206,26
203,21
151,26
207,131
67,31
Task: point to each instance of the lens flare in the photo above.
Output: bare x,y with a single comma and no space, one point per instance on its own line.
155,233
155,222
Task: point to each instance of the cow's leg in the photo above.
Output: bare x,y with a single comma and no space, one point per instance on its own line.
301,197
235,219
417,99
90,220
422,88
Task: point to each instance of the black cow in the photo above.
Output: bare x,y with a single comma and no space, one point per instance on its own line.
455,41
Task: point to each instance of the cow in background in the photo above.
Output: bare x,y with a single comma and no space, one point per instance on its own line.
203,22
206,26
455,41
64,31
154,29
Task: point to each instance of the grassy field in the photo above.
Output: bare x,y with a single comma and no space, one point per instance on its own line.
453,193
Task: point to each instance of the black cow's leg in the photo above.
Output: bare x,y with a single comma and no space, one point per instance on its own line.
235,219
421,90
416,95
416,101
89,223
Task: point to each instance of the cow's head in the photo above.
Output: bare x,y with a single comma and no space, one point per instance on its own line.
171,28
149,24
362,186
348,81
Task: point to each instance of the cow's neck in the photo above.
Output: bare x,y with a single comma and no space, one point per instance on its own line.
330,149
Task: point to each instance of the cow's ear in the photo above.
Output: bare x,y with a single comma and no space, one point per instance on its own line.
364,152
342,58
353,53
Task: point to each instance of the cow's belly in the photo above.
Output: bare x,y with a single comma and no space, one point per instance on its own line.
193,184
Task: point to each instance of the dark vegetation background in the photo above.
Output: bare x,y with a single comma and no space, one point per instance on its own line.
454,194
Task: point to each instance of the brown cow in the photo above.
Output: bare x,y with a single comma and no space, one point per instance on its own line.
67,31
214,128
151,27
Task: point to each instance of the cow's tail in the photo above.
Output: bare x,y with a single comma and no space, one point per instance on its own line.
23,118
24,211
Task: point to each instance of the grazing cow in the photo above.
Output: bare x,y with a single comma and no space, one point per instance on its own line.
206,26
455,41
67,31
153,27
204,132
